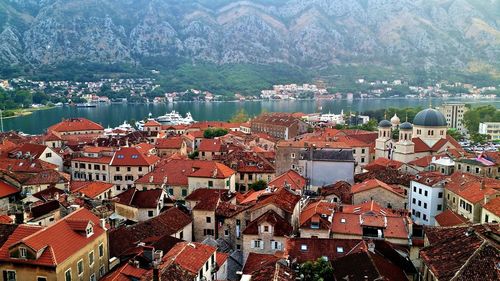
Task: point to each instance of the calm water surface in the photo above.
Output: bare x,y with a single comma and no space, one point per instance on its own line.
114,114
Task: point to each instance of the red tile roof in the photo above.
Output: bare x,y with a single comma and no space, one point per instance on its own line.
256,261
124,273
291,178
341,189
281,227
373,184
34,150
152,123
47,177
167,222
93,189
429,178
318,212
382,163
75,125
221,258
177,171
282,198
211,145
7,190
140,198
96,160
351,219
132,156
463,253
57,242
170,143
190,256
472,188
493,206
4,219
316,248
450,218
426,160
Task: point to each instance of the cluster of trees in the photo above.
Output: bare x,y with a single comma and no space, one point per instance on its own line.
211,133
15,99
476,115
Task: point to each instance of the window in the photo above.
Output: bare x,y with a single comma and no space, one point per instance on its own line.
439,207
362,150
101,250
257,244
181,235
41,278
414,200
117,169
128,169
303,247
425,205
9,275
48,155
227,183
140,169
440,195
208,219
210,184
486,218
242,176
80,267
424,217
250,177
419,203
23,253
207,232
340,249
89,230
91,258
184,192
414,189
150,214
92,277
342,220
426,193
419,191
266,228
226,232
275,245
171,191
292,155
67,275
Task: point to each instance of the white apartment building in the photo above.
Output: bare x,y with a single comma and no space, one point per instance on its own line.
426,197
454,114
491,129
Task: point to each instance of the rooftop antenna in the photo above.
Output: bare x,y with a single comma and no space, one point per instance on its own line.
406,120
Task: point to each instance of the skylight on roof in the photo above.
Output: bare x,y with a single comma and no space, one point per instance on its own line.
120,156
135,156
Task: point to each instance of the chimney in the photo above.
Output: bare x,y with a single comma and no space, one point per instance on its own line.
371,246
102,223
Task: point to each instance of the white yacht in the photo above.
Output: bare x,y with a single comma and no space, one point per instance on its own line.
174,118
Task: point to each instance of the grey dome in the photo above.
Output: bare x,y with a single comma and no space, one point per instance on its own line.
430,118
385,124
406,126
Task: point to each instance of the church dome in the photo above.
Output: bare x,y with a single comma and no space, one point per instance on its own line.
430,118
406,126
384,124
395,120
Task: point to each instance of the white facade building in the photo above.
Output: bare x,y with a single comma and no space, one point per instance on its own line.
491,129
426,198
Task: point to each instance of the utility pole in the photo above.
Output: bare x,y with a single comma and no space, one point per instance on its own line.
1,119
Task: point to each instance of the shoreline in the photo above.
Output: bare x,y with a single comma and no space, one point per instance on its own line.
20,112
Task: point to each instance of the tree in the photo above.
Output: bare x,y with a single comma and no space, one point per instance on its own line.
240,116
474,116
454,133
478,138
258,185
319,270
211,133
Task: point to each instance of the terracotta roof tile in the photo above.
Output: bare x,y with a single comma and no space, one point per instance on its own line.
290,178
310,249
7,190
450,218
74,125
282,198
256,261
132,156
93,189
373,184
190,256
167,222
493,206
58,241
211,145
281,227
169,143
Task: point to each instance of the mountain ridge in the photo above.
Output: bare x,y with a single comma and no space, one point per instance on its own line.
306,33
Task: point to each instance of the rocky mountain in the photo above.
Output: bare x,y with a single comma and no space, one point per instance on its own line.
307,33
